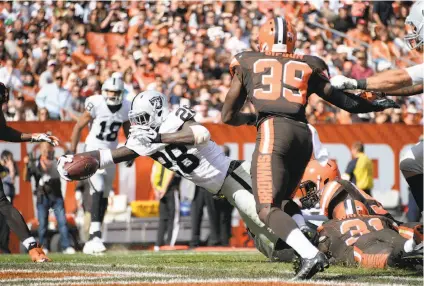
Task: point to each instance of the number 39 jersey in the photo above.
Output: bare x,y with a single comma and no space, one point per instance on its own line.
205,165
106,124
278,83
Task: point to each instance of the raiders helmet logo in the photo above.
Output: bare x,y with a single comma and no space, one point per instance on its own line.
156,102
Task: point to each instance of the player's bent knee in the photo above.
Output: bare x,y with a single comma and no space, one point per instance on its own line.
265,212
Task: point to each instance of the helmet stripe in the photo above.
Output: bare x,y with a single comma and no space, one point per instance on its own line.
281,30
277,30
349,207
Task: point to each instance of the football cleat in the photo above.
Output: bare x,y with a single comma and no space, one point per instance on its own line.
307,268
94,246
37,255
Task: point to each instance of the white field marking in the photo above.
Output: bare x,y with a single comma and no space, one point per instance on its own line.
215,281
108,274
137,267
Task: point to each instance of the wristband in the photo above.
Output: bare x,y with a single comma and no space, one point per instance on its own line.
362,84
106,158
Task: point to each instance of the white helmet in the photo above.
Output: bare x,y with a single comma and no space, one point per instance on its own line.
415,22
116,85
149,108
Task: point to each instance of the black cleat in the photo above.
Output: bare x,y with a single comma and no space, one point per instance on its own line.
306,268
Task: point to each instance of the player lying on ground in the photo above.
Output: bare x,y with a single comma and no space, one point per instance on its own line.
399,244
359,230
180,144
106,113
278,83
12,216
401,82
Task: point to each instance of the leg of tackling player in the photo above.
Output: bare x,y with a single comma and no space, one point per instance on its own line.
411,166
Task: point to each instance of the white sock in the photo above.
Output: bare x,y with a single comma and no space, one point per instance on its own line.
300,220
95,226
28,241
409,245
301,244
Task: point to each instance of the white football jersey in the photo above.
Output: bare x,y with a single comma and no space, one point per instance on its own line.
205,165
416,73
106,124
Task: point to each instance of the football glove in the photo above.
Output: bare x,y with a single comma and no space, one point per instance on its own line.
43,137
60,166
145,134
384,103
342,82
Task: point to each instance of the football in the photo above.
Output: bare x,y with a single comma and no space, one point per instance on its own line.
82,167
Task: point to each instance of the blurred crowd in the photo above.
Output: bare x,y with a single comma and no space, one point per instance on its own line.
50,59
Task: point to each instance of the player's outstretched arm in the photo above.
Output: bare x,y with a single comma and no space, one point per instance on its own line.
234,101
407,91
389,81
79,126
103,157
10,134
351,102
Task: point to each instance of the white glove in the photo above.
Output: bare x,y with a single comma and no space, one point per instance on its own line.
342,82
42,137
60,166
145,134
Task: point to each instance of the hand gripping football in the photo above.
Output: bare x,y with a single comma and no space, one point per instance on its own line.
81,167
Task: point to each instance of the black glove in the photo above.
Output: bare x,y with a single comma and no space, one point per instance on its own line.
384,103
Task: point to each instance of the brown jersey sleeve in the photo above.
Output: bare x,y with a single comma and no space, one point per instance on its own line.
320,74
236,68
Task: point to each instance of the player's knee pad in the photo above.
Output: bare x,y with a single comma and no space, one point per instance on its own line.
265,212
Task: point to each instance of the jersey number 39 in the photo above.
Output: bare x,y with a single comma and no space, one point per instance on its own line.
291,83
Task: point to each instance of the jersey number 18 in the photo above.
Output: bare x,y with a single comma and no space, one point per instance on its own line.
113,131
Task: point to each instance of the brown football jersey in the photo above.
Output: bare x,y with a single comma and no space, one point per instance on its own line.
279,84
349,230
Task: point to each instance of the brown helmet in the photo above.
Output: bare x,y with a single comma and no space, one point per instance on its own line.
277,35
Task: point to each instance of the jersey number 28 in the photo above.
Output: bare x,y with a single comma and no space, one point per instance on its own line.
178,153
291,83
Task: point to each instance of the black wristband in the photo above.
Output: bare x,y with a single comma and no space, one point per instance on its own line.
158,138
362,84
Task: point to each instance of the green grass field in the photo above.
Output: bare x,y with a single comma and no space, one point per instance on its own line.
182,268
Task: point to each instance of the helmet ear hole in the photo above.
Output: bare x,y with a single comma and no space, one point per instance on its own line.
326,181
160,113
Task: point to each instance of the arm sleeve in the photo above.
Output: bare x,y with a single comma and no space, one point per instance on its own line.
236,69
416,73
